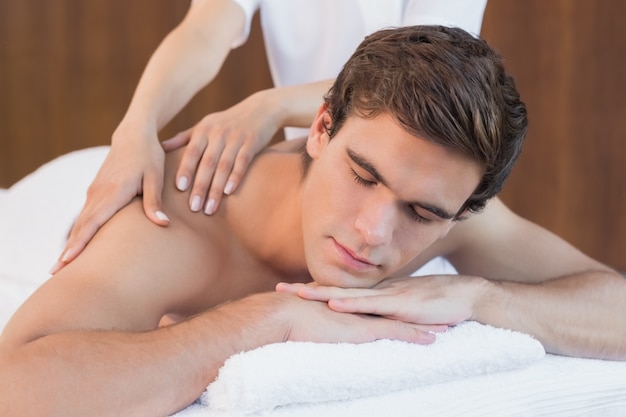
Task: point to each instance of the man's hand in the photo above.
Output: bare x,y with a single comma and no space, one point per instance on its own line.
219,150
314,321
443,300
134,166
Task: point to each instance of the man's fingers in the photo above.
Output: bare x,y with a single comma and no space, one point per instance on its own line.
399,330
322,293
314,292
380,305
288,288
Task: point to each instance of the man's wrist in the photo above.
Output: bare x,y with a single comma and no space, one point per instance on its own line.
259,319
490,299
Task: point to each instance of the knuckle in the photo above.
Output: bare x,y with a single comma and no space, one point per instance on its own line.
243,159
224,166
200,188
194,150
208,160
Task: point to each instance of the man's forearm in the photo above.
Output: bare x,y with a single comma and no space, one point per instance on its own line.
579,315
109,373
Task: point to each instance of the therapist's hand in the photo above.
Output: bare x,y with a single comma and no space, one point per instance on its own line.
431,300
220,148
134,166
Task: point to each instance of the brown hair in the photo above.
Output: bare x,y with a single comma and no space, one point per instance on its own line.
442,84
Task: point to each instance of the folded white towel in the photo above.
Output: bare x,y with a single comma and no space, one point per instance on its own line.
296,373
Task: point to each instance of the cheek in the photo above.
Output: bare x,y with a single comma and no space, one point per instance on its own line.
333,193
412,239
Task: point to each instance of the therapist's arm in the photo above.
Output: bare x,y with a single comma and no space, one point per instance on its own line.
222,145
186,60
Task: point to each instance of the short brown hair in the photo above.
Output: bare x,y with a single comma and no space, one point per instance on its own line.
440,83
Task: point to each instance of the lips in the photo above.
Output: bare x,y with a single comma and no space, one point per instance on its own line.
352,260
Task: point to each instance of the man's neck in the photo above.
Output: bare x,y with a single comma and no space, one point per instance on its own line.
265,213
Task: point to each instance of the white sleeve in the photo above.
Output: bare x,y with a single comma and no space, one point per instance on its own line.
466,14
249,7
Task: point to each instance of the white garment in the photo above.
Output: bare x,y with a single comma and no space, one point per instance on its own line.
310,40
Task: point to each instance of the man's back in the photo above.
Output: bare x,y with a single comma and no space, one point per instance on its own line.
192,265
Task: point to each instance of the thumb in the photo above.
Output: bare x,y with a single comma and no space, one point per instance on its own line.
178,141
152,199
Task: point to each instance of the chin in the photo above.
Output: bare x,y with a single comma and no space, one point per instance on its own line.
342,279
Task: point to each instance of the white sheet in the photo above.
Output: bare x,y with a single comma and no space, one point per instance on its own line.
37,212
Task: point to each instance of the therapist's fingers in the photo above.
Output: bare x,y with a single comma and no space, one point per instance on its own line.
186,173
94,214
206,154
152,196
221,173
176,142
239,168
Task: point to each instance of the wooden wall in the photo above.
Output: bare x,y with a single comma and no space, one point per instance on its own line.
569,61
68,69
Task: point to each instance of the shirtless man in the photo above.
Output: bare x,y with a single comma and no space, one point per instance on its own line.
415,138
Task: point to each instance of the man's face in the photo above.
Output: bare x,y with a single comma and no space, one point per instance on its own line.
375,197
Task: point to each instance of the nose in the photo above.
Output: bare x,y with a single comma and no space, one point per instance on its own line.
376,222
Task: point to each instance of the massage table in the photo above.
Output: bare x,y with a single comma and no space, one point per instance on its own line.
472,370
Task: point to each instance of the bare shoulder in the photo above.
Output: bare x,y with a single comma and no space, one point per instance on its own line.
130,275
499,244
289,146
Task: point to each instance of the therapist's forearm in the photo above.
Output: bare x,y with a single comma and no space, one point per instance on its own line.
295,105
581,315
186,60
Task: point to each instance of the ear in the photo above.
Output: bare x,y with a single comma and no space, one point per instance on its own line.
318,138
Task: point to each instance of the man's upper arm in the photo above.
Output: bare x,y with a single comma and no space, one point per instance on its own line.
500,245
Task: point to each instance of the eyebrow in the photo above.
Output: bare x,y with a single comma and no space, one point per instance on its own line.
369,167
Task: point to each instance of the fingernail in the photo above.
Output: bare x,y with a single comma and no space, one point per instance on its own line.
230,186
162,216
67,255
55,268
195,203
182,183
210,206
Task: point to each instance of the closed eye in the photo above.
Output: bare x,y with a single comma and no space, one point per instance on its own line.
416,216
410,209
361,180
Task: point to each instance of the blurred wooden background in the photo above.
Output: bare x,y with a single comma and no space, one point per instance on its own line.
68,69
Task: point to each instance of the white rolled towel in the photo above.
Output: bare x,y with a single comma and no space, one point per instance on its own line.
301,372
